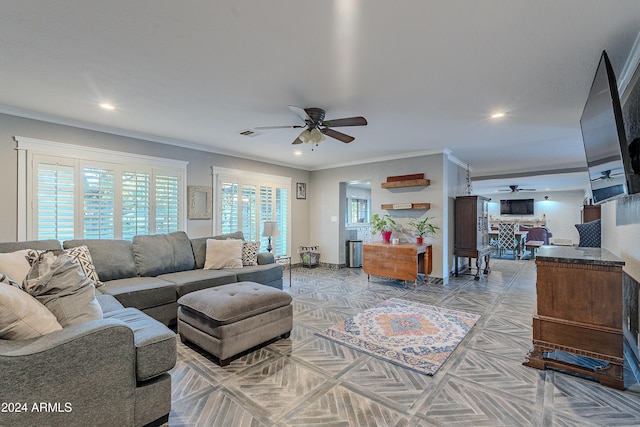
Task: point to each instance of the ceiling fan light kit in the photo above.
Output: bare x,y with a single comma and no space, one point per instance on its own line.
317,127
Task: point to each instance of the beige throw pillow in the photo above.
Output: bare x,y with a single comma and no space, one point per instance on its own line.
15,265
22,316
223,254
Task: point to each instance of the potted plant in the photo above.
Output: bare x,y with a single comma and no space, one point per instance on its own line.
423,228
384,225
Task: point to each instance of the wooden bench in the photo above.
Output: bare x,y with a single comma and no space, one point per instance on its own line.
533,246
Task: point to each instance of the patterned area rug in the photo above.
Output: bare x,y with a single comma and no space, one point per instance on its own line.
413,335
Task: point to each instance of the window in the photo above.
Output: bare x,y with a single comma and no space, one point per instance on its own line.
245,200
78,192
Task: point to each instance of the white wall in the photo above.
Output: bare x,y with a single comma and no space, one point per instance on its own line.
198,170
562,210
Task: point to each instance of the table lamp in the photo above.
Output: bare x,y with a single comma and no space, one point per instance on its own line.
270,229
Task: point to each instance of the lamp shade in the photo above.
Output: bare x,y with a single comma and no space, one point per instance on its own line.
270,228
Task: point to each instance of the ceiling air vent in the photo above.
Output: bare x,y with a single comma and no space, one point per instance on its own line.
250,132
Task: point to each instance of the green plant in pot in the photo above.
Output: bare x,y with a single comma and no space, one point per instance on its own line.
423,228
384,225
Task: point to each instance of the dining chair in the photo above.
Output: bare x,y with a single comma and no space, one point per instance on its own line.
507,238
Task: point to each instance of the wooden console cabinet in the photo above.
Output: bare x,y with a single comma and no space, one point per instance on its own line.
579,311
402,261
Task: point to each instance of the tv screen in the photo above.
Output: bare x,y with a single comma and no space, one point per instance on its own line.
605,143
516,207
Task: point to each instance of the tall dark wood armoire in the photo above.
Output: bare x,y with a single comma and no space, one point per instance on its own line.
471,234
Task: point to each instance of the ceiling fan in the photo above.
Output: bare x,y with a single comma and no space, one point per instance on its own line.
516,188
316,127
608,175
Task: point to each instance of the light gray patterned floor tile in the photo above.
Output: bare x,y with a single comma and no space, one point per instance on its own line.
307,380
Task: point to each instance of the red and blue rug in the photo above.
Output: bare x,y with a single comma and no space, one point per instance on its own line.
413,335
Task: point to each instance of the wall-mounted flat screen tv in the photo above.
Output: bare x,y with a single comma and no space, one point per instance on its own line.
605,142
516,207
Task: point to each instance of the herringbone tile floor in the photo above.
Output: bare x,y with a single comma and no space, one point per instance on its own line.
309,381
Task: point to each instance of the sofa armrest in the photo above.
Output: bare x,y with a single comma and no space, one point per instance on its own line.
81,375
266,258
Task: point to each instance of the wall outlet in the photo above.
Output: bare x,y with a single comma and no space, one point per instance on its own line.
334,219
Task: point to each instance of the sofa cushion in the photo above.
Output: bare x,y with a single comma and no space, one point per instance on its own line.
22,316
231,303
199,246
141,292
259,273
112,258
40,245
162,253
155,343
58,282
223,254
589,234
108,302
194,280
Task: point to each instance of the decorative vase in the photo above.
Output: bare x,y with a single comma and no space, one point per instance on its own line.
419,240
386,236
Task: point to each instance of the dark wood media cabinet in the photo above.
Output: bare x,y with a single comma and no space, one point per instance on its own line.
579,311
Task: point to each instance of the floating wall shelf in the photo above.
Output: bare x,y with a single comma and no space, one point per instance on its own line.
399,206
406,183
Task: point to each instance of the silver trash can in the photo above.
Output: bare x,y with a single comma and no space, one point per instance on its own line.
355,253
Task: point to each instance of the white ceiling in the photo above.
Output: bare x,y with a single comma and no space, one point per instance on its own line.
425,74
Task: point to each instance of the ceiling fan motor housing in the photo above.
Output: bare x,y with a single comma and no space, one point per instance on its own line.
316,115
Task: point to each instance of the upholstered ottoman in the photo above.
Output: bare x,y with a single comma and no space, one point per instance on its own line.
229,319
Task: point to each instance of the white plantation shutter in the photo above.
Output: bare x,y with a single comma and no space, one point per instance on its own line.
55,200
167,203
244,200
98,193
79,192
229,207
249,214
136,207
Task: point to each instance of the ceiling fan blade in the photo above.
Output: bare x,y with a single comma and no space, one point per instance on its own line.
300,112
348,121
297,141
279,127
337,135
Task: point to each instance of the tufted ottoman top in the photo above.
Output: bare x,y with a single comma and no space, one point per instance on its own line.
236,301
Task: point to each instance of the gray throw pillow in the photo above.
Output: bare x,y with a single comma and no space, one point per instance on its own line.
58,282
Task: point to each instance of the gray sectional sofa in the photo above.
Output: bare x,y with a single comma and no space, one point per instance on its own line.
150,273
114,371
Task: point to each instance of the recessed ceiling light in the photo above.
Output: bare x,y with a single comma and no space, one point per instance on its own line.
297,153
107,106
497,115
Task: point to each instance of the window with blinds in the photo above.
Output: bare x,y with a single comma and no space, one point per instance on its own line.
246,200
76,196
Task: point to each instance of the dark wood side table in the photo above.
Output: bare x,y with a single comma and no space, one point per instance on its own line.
579,311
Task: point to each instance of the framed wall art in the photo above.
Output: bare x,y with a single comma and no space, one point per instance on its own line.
301,190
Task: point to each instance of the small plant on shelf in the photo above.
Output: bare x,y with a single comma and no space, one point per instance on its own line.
384,225
423,228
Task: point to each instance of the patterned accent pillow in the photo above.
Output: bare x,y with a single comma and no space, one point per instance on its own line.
590,234
82,256
249,253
